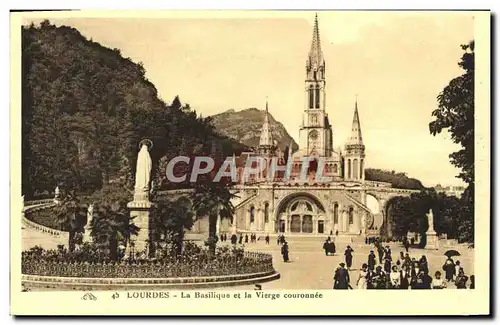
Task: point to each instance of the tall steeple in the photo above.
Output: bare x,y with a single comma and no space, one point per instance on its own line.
315,134
356,137
266,136
315,58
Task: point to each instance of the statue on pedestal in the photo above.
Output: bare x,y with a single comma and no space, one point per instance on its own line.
430,218
432,239
143,173
140,206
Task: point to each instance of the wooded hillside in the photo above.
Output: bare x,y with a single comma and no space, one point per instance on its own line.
85,108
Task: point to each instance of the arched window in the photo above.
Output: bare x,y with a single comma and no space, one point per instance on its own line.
252,213
351,215
311,96
361,171
348,168
336,213
335,169
355,169
266,212
317,96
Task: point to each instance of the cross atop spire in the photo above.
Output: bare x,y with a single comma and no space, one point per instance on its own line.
315,58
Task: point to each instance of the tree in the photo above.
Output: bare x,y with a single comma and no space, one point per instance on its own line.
455,113
171,219
71,213
213,199
112,222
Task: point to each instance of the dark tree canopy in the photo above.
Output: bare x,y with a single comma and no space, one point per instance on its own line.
397,180
455,113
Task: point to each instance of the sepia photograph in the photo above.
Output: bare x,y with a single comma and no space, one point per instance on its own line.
250,157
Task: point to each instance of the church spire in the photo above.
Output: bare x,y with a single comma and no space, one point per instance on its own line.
315,58
356,137
266,136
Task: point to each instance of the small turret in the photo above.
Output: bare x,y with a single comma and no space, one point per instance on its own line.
355,151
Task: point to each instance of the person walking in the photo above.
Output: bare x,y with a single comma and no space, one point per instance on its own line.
341,278
246,238
326,246
348,257
267,239
285,252
234,239
380,251
362,282
449,269
406,243
371,261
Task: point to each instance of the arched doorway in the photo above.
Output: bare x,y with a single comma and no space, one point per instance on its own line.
300,214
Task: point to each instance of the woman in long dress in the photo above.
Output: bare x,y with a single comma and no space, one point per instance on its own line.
362,278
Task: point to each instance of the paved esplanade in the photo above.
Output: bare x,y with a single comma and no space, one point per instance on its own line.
309,268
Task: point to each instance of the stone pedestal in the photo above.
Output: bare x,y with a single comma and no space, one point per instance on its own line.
86,235
139,211
432,240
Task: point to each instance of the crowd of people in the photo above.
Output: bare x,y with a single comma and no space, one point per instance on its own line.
243,239
401,272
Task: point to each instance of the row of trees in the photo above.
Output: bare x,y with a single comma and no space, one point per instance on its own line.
397,180
408,214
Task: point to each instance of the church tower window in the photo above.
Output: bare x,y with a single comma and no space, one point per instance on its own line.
311,96
348,168
355,169
361,169
317,96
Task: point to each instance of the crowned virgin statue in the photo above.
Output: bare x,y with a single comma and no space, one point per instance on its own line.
143,171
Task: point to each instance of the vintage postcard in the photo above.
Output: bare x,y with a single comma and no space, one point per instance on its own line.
250,163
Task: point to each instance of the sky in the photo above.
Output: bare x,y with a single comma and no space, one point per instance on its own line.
396,63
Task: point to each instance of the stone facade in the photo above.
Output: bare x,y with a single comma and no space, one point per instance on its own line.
297,205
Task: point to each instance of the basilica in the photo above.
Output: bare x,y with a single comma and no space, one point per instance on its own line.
346,205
